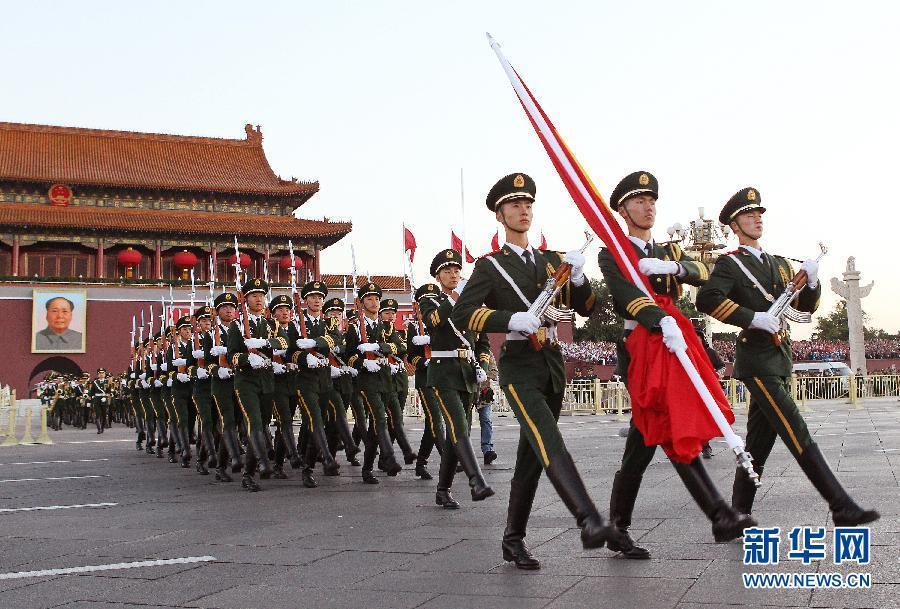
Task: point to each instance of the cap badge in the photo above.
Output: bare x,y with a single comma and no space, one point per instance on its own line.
449,254
644,179
751,195
256,282
519,181
371,286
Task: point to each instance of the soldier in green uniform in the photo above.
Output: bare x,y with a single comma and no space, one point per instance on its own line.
667,267
342,384
162,417
418,344
314,378
222,386
496,299
453,376
166,393
280,309
100,399
198,369
395,378
251,360
143,385
369,357
182,391
739,292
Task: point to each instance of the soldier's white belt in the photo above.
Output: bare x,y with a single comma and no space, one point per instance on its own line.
544,334
456,354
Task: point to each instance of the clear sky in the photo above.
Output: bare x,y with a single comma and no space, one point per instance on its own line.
385,102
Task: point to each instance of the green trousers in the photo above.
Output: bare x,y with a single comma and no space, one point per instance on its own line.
540,440
251,399
773,413
453,405
223,400
202,397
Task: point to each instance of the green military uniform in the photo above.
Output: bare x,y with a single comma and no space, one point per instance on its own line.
199,365
182,389
222,390
636,307
100,399
732,297
393,378
285,386
533,381
143,385
418,356
167,377
156,398
341,395
372,385
453,376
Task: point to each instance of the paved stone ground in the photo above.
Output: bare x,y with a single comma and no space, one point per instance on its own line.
346,544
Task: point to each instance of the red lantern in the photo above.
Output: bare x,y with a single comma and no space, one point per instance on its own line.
185,261
286,262
245,260
129,258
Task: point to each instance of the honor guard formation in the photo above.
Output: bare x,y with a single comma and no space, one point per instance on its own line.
218,378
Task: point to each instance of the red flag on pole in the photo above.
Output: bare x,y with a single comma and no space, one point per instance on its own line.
456,246
677,401
543,244
495,242
409,243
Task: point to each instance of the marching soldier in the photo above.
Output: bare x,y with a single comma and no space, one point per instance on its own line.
199,366
418,350
182,391
496,299
667,267
395,379
167,378
453,376
100,399
144,384
284,385
341,384
740,290
314,344
368,358
250,351
222,386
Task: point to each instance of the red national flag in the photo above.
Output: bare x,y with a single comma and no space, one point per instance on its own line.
677,401
409,243
456,246
495,242
543,244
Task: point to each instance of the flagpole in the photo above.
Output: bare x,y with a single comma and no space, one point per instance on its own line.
403,257
462,206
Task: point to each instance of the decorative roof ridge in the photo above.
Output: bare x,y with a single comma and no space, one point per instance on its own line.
254,136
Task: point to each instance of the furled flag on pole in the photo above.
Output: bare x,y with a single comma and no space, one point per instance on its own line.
456,246
543,244
409,243
677,401
495,242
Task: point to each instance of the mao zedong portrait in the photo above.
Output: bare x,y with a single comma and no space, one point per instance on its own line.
57,336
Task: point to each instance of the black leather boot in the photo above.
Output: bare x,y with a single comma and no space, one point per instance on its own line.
248,482
466,457
409,456
844,510
346,436
521,497
161,433
309,481
570,487
422,472
446,473
386,448
368,477
208,441
222,474
744,491
621,505
287,440
230,439
278,472
320,445
261,449
727,524
185,447
201,467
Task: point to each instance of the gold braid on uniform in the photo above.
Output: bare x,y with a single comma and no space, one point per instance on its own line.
724,310
639,304
478,319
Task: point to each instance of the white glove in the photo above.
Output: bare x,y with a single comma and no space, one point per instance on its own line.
576,259
422,339
371,366
183,378
655,266
280,352
164,366
143,376
256,361
255,343
224,373
366,347
145,384
179,362
153,367
312,361
335,372
197,354
672,336
202,373
427,361
132,376
480,374
524,321
354,372
278,368
218,350
157,383
395,368
305,343
765,321
169,383
346,369
812,273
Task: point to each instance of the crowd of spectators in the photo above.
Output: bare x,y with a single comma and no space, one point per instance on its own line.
604,353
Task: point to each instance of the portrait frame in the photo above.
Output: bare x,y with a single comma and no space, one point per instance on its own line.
40,328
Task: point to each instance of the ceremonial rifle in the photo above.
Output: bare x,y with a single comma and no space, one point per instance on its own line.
242,302
357,304
201,362
781,307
